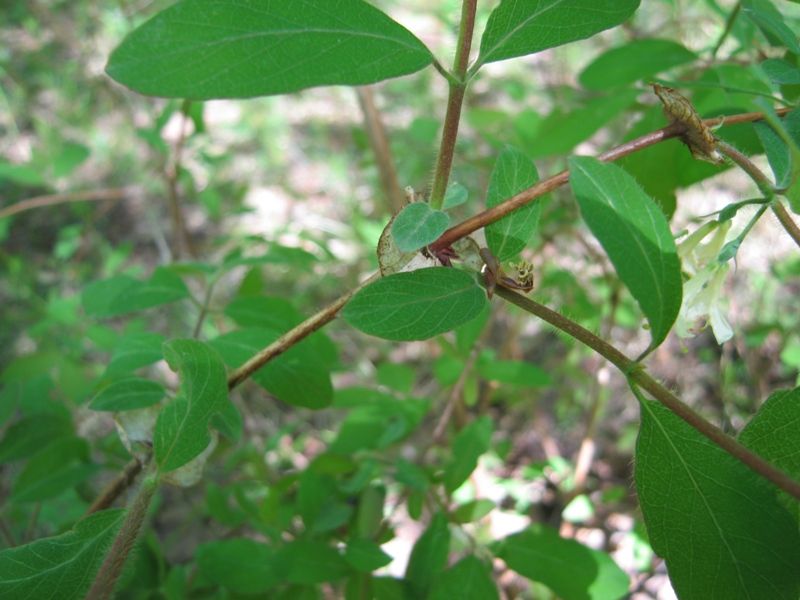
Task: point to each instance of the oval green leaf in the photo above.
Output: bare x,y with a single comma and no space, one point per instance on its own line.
635,235
718,525
570,569
242,565
468,579
639,59
418,225
468,446
416,305
519,28
130,393
203,49
512,173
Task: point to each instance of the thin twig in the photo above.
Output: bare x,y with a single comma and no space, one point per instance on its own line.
636,373
728,28
8,535
294,336
546,186
182,239
116,487
455,100
54,199
786,220
376,132
456,395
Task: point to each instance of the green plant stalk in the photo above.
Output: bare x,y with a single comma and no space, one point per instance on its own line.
765,186
455,100
728,28
107,576
637,375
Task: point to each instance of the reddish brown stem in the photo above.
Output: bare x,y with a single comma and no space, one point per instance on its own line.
53,199
116,487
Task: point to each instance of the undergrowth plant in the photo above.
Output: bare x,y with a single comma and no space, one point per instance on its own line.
720,507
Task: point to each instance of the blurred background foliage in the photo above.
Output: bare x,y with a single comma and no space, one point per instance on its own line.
291,185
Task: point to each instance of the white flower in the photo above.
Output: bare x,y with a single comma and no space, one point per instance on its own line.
702,292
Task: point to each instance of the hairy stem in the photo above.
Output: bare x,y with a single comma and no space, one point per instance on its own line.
294,336
455,100
786,220
116,487
108,575
636,374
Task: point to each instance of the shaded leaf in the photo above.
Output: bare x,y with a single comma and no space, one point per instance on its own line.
570,569
518,28
416,305
635,235
468,579
297,376
310,562
59,466
718,525
122,294
468,446
636,60
135,350
242,565
781,72
512,173
62,566
182,428
365,555
474,510
29,435
418,225
203,49
455,195
131,393
514,372
429,556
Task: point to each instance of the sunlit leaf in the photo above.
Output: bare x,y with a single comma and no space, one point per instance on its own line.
204,49
416,305
517,28
62,566
635,235
570,569
718,525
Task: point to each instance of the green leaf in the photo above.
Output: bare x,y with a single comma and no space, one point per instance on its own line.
429,556
62,566
121,294
561,130
519,28
468,446
468,579
29,435
416,305
771,23
242,565
772,433
310,562
418,225
455,195
133,351
570,569
635,235
514,372
396,376
60,466
718,525
365,555
23,175
472,511
636,60
182,428
512,173
203,49
297,376
781,72
131,393
781,155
